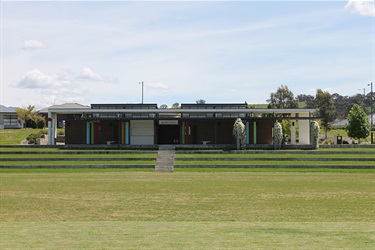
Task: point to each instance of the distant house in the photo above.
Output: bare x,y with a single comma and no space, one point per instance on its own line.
9,118
344,122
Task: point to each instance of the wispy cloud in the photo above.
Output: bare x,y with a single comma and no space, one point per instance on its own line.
363,7
51,87
35,79
89,75
32,45
157,86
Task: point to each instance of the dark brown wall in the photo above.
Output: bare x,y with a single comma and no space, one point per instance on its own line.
224,130
215,131
75,132
107,132
264,132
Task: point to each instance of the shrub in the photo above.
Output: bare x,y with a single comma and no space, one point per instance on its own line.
32,137
60,132
314,133
278,135
328,142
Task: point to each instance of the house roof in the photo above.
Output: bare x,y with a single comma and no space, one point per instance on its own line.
70,106
7,110
343,123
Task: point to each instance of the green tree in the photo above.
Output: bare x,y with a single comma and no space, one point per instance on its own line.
200,101
283,98
326,109
358,124
39,120
26,114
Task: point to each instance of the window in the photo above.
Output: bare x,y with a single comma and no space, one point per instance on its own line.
10,120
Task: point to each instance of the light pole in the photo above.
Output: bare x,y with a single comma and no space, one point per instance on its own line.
372,119
142,90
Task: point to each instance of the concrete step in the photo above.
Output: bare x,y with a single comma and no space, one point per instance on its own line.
165,159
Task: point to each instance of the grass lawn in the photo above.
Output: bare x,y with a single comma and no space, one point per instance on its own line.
115,208
15,136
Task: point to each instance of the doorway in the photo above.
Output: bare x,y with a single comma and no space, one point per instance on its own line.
168,134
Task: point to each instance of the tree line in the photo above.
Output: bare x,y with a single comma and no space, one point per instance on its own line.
339,105
330,107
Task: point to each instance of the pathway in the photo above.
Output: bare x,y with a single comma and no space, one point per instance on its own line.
165,160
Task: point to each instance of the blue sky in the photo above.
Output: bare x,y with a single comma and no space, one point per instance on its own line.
219,51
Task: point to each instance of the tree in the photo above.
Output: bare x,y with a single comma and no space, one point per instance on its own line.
26,114
341,104
239,133
163,106
283,98
358,124
200,101
39,120
309,100
176,105
326,108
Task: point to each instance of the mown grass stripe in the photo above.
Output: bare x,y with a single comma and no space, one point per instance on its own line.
275,159
80,166
273,162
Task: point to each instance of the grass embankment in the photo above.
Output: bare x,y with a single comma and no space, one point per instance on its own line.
116,208
15,136
39,157
279,159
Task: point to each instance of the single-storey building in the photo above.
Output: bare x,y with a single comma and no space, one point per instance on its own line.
190,124
9,118
62,117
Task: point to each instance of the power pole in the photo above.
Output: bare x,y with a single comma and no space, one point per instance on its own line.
142,90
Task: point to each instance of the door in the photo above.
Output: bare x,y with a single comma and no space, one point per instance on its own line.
168,134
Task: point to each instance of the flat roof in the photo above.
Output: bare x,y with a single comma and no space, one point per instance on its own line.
180,110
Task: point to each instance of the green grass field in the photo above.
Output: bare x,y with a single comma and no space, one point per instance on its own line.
196,209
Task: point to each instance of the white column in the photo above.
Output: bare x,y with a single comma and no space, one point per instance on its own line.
304,130
52,128
293,132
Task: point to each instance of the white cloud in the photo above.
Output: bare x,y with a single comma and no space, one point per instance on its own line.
51,88
32,45
89,75
363,7
157,86
35,79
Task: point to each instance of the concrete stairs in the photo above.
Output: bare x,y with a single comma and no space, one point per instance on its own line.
165,159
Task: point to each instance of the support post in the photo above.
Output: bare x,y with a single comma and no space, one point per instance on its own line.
293,132
247,133
52,128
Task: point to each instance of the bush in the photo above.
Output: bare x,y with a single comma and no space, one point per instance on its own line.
32,137
61,132
328,142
